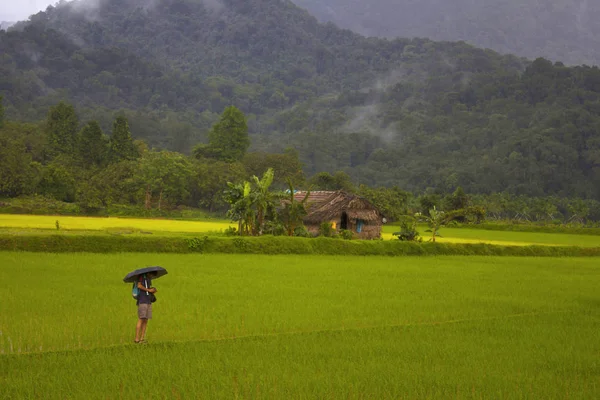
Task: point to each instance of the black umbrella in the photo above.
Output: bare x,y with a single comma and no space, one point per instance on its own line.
131,277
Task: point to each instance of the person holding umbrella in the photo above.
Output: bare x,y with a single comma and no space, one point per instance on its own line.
145,298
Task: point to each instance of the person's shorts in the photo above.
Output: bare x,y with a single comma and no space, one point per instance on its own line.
145,311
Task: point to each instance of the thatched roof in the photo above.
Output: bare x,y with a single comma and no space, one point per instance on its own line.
327,205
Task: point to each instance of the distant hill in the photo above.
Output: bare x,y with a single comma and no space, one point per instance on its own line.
409,112
6,24
561,30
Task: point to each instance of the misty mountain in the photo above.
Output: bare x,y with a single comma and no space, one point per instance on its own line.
409,112
6,24
561,30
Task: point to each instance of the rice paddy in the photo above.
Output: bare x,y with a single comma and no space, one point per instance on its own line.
301,327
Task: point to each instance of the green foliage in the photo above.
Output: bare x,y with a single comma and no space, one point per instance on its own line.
93,146
338,181
346,234
122,147
197,245
392,202
411,113
59,243
293,211
252,204
287,165
57,182
326,230
61,130
1,112
165,175
408,230
228,138
18,173
504,26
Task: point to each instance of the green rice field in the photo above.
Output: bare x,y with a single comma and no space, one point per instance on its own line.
301,327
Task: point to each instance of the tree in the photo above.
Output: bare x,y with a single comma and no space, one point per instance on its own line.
239,197
436,219
61,130
458,200
57,182
1,112
93,145
293,211
287,165
209,183
263,199
18,174
338,181
122,146
251,203
228,138
166,174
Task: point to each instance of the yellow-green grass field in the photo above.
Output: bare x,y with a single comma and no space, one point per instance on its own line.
505,238
68,223
301,327
25,224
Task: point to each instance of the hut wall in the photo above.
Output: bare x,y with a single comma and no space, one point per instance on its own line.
370,230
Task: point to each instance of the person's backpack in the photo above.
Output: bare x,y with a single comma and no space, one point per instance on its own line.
135,291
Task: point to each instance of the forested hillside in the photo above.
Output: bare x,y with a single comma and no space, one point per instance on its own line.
561,30
406,112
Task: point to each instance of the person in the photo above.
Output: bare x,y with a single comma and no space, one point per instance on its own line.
144,304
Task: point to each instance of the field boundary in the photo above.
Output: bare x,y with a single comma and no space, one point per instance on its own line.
274,245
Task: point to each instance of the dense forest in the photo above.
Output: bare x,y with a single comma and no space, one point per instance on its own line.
420,115
561,30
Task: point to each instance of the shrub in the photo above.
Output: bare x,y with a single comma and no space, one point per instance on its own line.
408,230
326,230
346,234
231,231
301,231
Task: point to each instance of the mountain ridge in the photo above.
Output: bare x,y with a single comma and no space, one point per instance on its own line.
410,112
560,30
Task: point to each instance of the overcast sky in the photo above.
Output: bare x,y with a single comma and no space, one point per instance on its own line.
18,10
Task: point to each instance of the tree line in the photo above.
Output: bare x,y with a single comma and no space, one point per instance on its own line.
68,160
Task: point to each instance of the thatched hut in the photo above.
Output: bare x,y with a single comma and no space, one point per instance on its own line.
343,211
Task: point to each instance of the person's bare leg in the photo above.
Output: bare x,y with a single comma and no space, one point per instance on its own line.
144,325
138,329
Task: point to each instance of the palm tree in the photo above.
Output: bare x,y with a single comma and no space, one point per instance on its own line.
293,211
239,196
263,199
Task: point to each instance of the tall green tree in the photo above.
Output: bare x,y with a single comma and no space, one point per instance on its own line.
228,138
264,199
166,175
93,145
18,174
121,143
61,129
1,112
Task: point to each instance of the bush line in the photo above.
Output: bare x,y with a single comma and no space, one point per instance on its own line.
273,245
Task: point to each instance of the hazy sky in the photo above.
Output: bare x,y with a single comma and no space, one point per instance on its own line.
18,10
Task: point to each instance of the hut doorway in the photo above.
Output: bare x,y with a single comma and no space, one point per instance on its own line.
344,221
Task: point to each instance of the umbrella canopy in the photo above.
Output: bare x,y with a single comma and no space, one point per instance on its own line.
131,277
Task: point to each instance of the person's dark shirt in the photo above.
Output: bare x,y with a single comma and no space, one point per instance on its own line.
144,297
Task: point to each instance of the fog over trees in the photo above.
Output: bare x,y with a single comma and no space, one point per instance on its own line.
561,30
